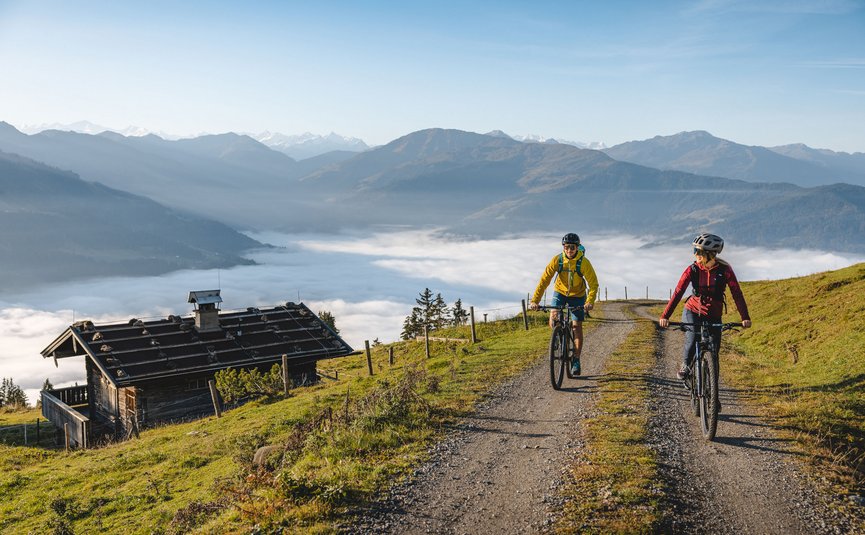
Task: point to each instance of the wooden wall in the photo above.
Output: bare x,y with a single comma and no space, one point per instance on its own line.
131,408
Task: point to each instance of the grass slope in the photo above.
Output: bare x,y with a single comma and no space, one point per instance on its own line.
340,442
804,361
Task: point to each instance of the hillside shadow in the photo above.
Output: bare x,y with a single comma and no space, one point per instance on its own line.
469,426
758,443
855,382
750,420
583,389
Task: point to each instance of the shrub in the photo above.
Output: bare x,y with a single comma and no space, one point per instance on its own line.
234,385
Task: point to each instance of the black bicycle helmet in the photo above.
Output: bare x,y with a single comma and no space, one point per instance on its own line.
709,242
570,237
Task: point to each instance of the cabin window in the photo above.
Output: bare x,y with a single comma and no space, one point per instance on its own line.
196,384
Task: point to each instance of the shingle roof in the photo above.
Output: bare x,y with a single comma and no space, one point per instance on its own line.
137,350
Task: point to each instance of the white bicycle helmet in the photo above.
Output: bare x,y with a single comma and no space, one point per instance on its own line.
709,242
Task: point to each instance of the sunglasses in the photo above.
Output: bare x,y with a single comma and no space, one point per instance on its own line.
569,246
699,252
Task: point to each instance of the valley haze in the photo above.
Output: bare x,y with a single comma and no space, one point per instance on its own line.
387,272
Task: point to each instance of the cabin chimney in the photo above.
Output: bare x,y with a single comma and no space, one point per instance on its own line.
206,310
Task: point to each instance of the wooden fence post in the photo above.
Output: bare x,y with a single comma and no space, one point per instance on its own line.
390,355
368,356
605,294
626,293
286,377
66,434
525,316
214,397
25,434
426,340
474,333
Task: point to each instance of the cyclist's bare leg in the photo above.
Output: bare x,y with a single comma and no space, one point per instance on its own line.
554,314
577,328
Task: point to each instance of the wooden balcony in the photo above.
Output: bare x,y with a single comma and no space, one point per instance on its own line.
74,395
66,418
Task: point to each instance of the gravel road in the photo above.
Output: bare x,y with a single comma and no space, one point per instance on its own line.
746,480
498,471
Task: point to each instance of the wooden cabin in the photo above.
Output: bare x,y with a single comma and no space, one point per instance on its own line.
141,373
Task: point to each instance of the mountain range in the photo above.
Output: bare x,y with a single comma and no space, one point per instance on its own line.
701,153
55,227
298,147
231,177
309,145
468,183
491,185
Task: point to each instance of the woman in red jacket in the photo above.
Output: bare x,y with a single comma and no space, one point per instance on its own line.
709,276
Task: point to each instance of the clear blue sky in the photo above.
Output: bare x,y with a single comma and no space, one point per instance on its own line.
756,72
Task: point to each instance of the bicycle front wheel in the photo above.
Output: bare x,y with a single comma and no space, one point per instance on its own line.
558,357
692,388
709,405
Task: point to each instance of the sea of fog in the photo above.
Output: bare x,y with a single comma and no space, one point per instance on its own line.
368,282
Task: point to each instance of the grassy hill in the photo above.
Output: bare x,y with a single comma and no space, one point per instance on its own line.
804,361
345,439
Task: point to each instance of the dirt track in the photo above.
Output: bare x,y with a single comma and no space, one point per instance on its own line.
499,471
745,481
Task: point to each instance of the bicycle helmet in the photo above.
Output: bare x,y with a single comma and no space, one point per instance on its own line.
709,242
570,237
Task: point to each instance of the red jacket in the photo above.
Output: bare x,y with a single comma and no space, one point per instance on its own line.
707,304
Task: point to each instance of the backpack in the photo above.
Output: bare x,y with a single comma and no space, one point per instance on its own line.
580,249
717,285
579,264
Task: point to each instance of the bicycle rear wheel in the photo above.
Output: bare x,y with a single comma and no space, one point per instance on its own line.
709,405
558,356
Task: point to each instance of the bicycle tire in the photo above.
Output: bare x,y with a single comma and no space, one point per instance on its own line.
709,405
692,389
558,357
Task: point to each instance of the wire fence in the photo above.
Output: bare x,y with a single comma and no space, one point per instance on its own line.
38,433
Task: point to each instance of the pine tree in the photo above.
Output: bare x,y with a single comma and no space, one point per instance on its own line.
328,319
45,386
425,302
413,324
460,315
11,395
440,313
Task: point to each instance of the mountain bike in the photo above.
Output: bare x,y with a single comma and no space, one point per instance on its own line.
702,383
561,344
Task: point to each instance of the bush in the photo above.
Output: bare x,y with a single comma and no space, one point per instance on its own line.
234,385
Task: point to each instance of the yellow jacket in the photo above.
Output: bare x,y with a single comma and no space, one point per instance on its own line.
569,282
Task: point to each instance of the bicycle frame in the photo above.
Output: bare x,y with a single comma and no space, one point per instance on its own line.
697,385
561,342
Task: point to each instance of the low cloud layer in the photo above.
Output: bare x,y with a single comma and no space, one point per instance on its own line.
368,283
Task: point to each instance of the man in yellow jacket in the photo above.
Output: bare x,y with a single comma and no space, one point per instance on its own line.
575,275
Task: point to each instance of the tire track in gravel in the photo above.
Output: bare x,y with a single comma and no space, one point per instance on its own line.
742,482
498,471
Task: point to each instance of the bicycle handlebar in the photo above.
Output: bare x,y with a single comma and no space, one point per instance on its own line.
723,326
547,308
